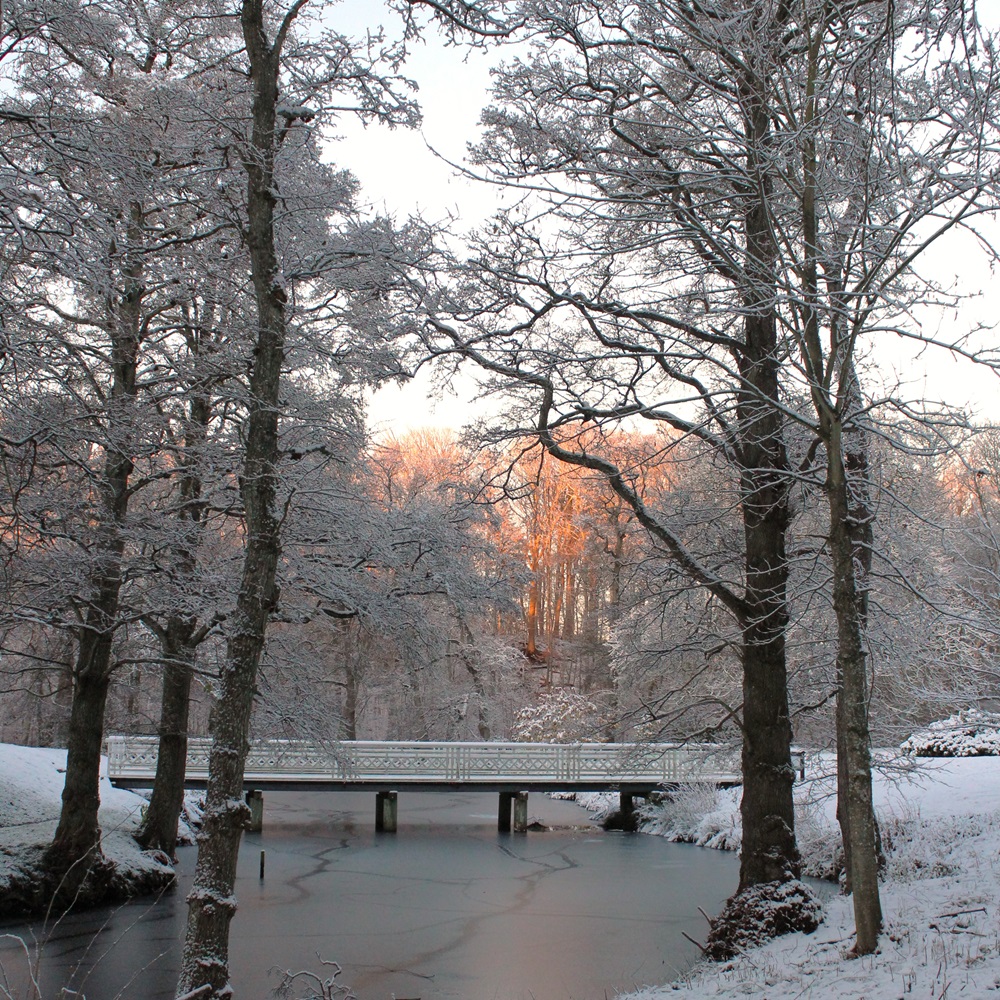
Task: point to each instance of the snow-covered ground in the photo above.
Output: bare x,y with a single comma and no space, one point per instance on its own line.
31,784
940,821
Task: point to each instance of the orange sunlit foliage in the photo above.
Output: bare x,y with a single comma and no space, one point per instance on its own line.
562,528
972,483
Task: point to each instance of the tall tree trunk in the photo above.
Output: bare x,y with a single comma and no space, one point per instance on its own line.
179,641
211,904
854,772
769,850
850,535
77,841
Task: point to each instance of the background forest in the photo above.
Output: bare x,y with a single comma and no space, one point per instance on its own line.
438,590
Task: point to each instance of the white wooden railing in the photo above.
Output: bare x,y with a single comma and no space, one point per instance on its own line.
132,759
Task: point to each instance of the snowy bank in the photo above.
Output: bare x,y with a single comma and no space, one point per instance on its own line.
940,821
31,784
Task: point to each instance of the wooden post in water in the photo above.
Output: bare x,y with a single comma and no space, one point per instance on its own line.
255,800
386,812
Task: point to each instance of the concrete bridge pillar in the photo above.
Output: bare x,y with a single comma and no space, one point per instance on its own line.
521,812
626,804
255,800
503,813
386,812
513,808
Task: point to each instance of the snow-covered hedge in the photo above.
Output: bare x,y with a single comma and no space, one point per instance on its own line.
969,733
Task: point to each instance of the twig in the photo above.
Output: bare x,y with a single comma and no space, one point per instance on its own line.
961,913
698,944
199,991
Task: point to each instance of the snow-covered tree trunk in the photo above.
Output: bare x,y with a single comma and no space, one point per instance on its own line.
211,904
76,844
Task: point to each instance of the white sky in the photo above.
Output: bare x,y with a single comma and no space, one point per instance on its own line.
400,174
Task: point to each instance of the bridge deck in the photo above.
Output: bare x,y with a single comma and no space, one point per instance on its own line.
297,764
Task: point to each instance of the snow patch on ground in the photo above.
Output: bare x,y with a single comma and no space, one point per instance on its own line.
940,821
31,784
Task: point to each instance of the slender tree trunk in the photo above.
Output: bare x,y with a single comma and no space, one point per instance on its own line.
211,904
179,641
350,711
850,535
850,547
159,828
531,646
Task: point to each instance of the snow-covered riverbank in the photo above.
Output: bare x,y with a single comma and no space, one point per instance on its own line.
940,821
31,784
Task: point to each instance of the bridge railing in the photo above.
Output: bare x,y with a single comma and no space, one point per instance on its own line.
417,762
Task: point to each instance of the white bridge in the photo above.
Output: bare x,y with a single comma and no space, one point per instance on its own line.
512,769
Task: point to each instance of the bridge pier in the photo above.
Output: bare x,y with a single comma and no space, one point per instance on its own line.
255,800
513,811
626,804
386,812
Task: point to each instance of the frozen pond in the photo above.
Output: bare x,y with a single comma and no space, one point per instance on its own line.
445,908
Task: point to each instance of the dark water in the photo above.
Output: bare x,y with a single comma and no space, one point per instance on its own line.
445,908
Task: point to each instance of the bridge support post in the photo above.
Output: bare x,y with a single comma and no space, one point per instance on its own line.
521,812
386,811
503,813
626,805
255,800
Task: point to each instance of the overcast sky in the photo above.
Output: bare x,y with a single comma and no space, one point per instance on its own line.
400,173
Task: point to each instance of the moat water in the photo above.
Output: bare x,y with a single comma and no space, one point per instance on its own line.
444,908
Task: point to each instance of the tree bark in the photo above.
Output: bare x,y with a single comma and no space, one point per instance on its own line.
159,827
850,548
211,904
769,850
76,845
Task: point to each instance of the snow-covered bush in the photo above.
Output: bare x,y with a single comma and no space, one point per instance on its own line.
698,813
969,733
558,717
760,913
